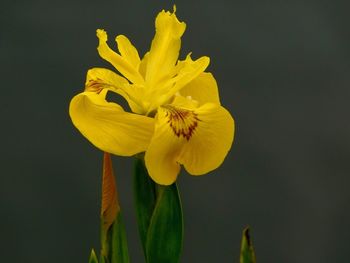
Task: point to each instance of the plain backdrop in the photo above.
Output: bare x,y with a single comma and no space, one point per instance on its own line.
283,72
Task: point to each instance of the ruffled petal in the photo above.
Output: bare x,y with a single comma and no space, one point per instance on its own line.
189,70
122,64
107,126
197,138
203,89
165,47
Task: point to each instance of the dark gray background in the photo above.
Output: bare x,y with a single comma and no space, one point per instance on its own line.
283,71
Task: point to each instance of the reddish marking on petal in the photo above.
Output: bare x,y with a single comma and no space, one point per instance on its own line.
182,121
95,85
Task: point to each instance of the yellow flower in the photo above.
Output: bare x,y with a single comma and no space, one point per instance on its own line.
177,117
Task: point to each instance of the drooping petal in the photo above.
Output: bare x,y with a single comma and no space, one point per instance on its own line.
128,51
203,89
211,141
108,126
163,151
119,62
197,138
165,47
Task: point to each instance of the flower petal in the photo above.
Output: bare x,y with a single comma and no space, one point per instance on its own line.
101,78
120,63
108,126
128,51
143,65
187,70
202,89
98,79
197,138
211,141
165,47
162,153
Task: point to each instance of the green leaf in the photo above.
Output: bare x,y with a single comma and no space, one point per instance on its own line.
165,233
144,198
103,259
159,217
114,243
93,258
247,250
118,246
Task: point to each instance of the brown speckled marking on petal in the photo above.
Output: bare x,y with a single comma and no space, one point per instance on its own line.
182,121
95,85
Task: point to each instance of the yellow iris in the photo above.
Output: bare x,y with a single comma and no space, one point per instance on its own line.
177,118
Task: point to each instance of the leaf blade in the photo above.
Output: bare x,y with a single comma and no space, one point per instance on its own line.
144,198
165,233
119,248
247,250
93,257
